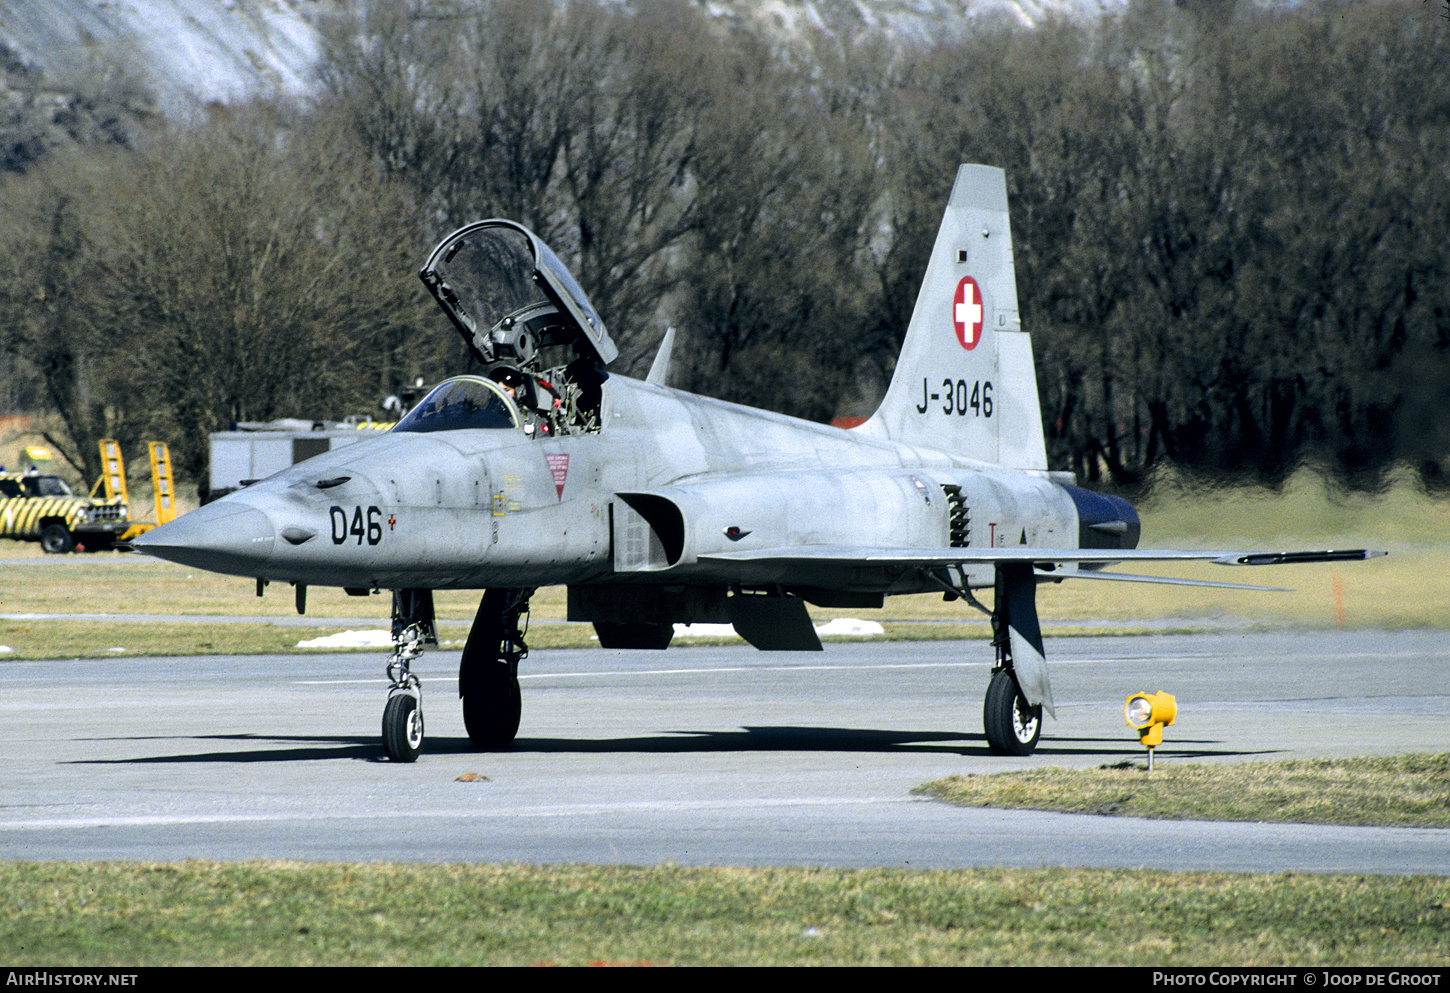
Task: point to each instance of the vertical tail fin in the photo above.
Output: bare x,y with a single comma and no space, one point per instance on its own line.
964,381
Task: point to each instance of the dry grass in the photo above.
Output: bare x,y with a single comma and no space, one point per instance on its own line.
198,913
1397,791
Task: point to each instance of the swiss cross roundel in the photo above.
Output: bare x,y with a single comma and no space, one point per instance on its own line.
967,313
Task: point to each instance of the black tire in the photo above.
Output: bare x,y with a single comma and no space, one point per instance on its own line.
403,728
1013,726
492,706
492,703
56,539
99,541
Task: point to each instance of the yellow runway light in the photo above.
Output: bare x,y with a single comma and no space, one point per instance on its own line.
1149,713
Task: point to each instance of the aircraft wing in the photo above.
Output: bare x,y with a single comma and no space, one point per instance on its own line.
1045,561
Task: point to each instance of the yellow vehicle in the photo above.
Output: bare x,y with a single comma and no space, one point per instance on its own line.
41,507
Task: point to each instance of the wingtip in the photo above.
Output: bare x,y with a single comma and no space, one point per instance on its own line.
1299,558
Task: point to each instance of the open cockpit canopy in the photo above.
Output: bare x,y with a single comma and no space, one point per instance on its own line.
509,295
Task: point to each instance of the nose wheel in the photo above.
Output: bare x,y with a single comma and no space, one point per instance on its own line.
403,727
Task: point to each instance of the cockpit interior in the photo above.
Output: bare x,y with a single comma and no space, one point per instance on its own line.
527,322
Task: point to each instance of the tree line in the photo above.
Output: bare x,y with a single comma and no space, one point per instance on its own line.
1230,228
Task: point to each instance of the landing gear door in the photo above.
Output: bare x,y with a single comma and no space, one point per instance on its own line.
508,295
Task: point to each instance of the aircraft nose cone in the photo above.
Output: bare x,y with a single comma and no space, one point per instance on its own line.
227,537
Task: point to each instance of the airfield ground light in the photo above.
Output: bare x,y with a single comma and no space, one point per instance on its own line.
1149,713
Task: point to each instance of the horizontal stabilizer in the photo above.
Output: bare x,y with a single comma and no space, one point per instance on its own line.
1123,577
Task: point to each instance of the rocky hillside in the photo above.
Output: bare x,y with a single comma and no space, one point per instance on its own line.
183,50
189,51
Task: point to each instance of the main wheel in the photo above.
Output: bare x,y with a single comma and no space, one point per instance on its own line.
490,691
56,539
403,728
1012,724
492,705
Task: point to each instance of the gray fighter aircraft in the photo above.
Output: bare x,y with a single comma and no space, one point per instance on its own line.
656,506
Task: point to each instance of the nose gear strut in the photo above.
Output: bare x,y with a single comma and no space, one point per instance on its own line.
413,628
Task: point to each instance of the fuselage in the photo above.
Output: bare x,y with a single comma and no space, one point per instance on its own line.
481,508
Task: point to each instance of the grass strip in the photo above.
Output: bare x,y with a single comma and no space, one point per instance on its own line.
1392,791
45,638
51,639
202,913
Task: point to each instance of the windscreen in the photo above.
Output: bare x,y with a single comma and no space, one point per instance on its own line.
46,486
460,404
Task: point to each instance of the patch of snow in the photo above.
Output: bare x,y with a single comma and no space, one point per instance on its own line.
351,639
841,627
705,631
849,627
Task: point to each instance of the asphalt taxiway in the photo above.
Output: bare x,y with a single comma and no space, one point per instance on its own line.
720,756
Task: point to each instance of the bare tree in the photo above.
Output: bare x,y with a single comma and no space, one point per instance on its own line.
779,297
246,268
50,275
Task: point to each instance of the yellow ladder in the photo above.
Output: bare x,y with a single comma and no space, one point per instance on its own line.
161,482
113,470
113,476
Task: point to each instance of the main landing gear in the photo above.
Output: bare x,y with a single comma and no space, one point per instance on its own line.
1012,723
488,675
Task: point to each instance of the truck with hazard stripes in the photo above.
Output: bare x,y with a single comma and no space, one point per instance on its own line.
41,507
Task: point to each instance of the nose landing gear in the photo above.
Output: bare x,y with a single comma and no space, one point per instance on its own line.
413,628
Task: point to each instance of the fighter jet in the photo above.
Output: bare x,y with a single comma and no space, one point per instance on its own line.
655,506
